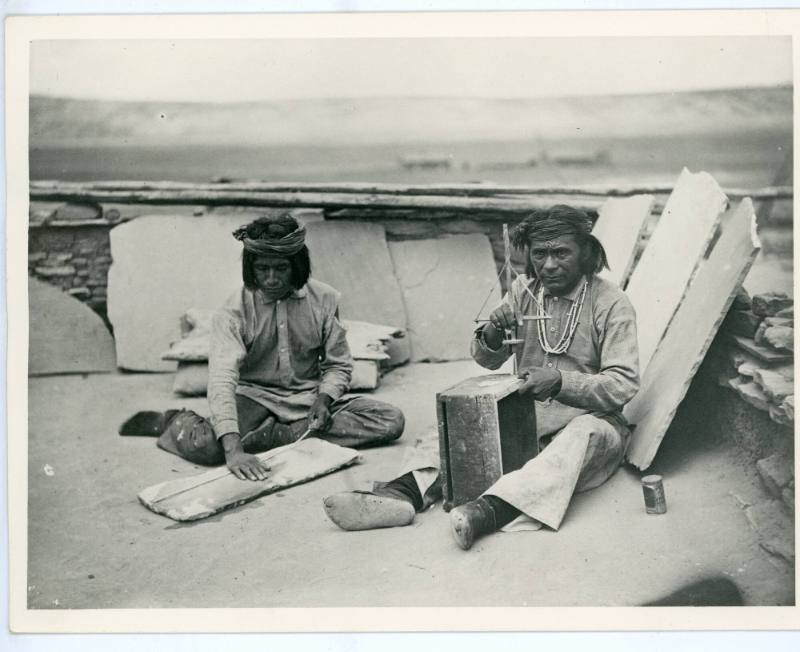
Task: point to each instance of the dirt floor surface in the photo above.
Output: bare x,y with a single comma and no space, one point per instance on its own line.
93,545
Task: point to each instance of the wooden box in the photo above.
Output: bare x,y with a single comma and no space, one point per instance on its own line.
486,429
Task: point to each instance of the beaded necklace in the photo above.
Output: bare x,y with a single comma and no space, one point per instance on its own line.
569,329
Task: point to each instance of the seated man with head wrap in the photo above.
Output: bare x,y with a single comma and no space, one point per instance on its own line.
279,364
581,366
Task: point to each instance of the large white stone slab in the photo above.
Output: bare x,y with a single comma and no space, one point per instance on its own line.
65,335
705,304
444,282
681,237
354,258
619,228
162,266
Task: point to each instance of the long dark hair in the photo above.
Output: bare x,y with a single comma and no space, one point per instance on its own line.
275,227
546,224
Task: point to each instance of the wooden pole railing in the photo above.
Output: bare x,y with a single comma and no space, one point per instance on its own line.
362,196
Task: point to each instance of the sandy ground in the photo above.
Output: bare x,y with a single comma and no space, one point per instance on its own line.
93,545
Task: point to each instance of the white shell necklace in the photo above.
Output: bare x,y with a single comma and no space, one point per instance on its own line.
569,328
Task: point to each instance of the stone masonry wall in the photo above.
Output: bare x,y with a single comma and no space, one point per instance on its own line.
76,259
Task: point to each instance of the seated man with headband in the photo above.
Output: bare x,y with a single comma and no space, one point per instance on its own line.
279,364
581,366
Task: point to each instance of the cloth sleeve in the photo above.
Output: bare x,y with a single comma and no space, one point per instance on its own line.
336,363
227,352
617,380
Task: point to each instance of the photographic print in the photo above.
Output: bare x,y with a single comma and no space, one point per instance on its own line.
336,313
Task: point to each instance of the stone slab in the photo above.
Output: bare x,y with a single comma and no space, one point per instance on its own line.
200,496
683,234
163,266
619,227
65,336
773,384
444,283
750,393
666,379
762,353
354,258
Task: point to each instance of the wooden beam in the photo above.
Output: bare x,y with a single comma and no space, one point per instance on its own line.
295,199
447,190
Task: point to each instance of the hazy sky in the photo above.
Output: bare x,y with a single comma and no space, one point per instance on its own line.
247,70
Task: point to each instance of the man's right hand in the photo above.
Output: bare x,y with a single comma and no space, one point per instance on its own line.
243,465
502,318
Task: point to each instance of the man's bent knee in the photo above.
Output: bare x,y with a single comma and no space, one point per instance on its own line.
395,422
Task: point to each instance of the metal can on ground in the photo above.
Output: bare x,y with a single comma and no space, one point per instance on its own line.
655,501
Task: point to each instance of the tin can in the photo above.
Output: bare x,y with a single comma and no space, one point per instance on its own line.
655,501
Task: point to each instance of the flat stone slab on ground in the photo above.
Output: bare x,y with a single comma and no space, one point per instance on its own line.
199,496
444,283
65,335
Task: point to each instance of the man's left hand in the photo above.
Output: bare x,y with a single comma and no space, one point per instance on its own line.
319,415
539,381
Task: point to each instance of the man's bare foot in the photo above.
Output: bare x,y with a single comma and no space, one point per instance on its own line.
354,510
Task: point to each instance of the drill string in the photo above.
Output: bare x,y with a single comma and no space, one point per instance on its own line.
478,320
266,455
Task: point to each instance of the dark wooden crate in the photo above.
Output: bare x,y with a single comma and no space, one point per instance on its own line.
486,429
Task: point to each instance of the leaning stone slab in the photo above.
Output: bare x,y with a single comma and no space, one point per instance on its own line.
354,258
682,236
770,303
164,265
444,281
65,336
667,377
